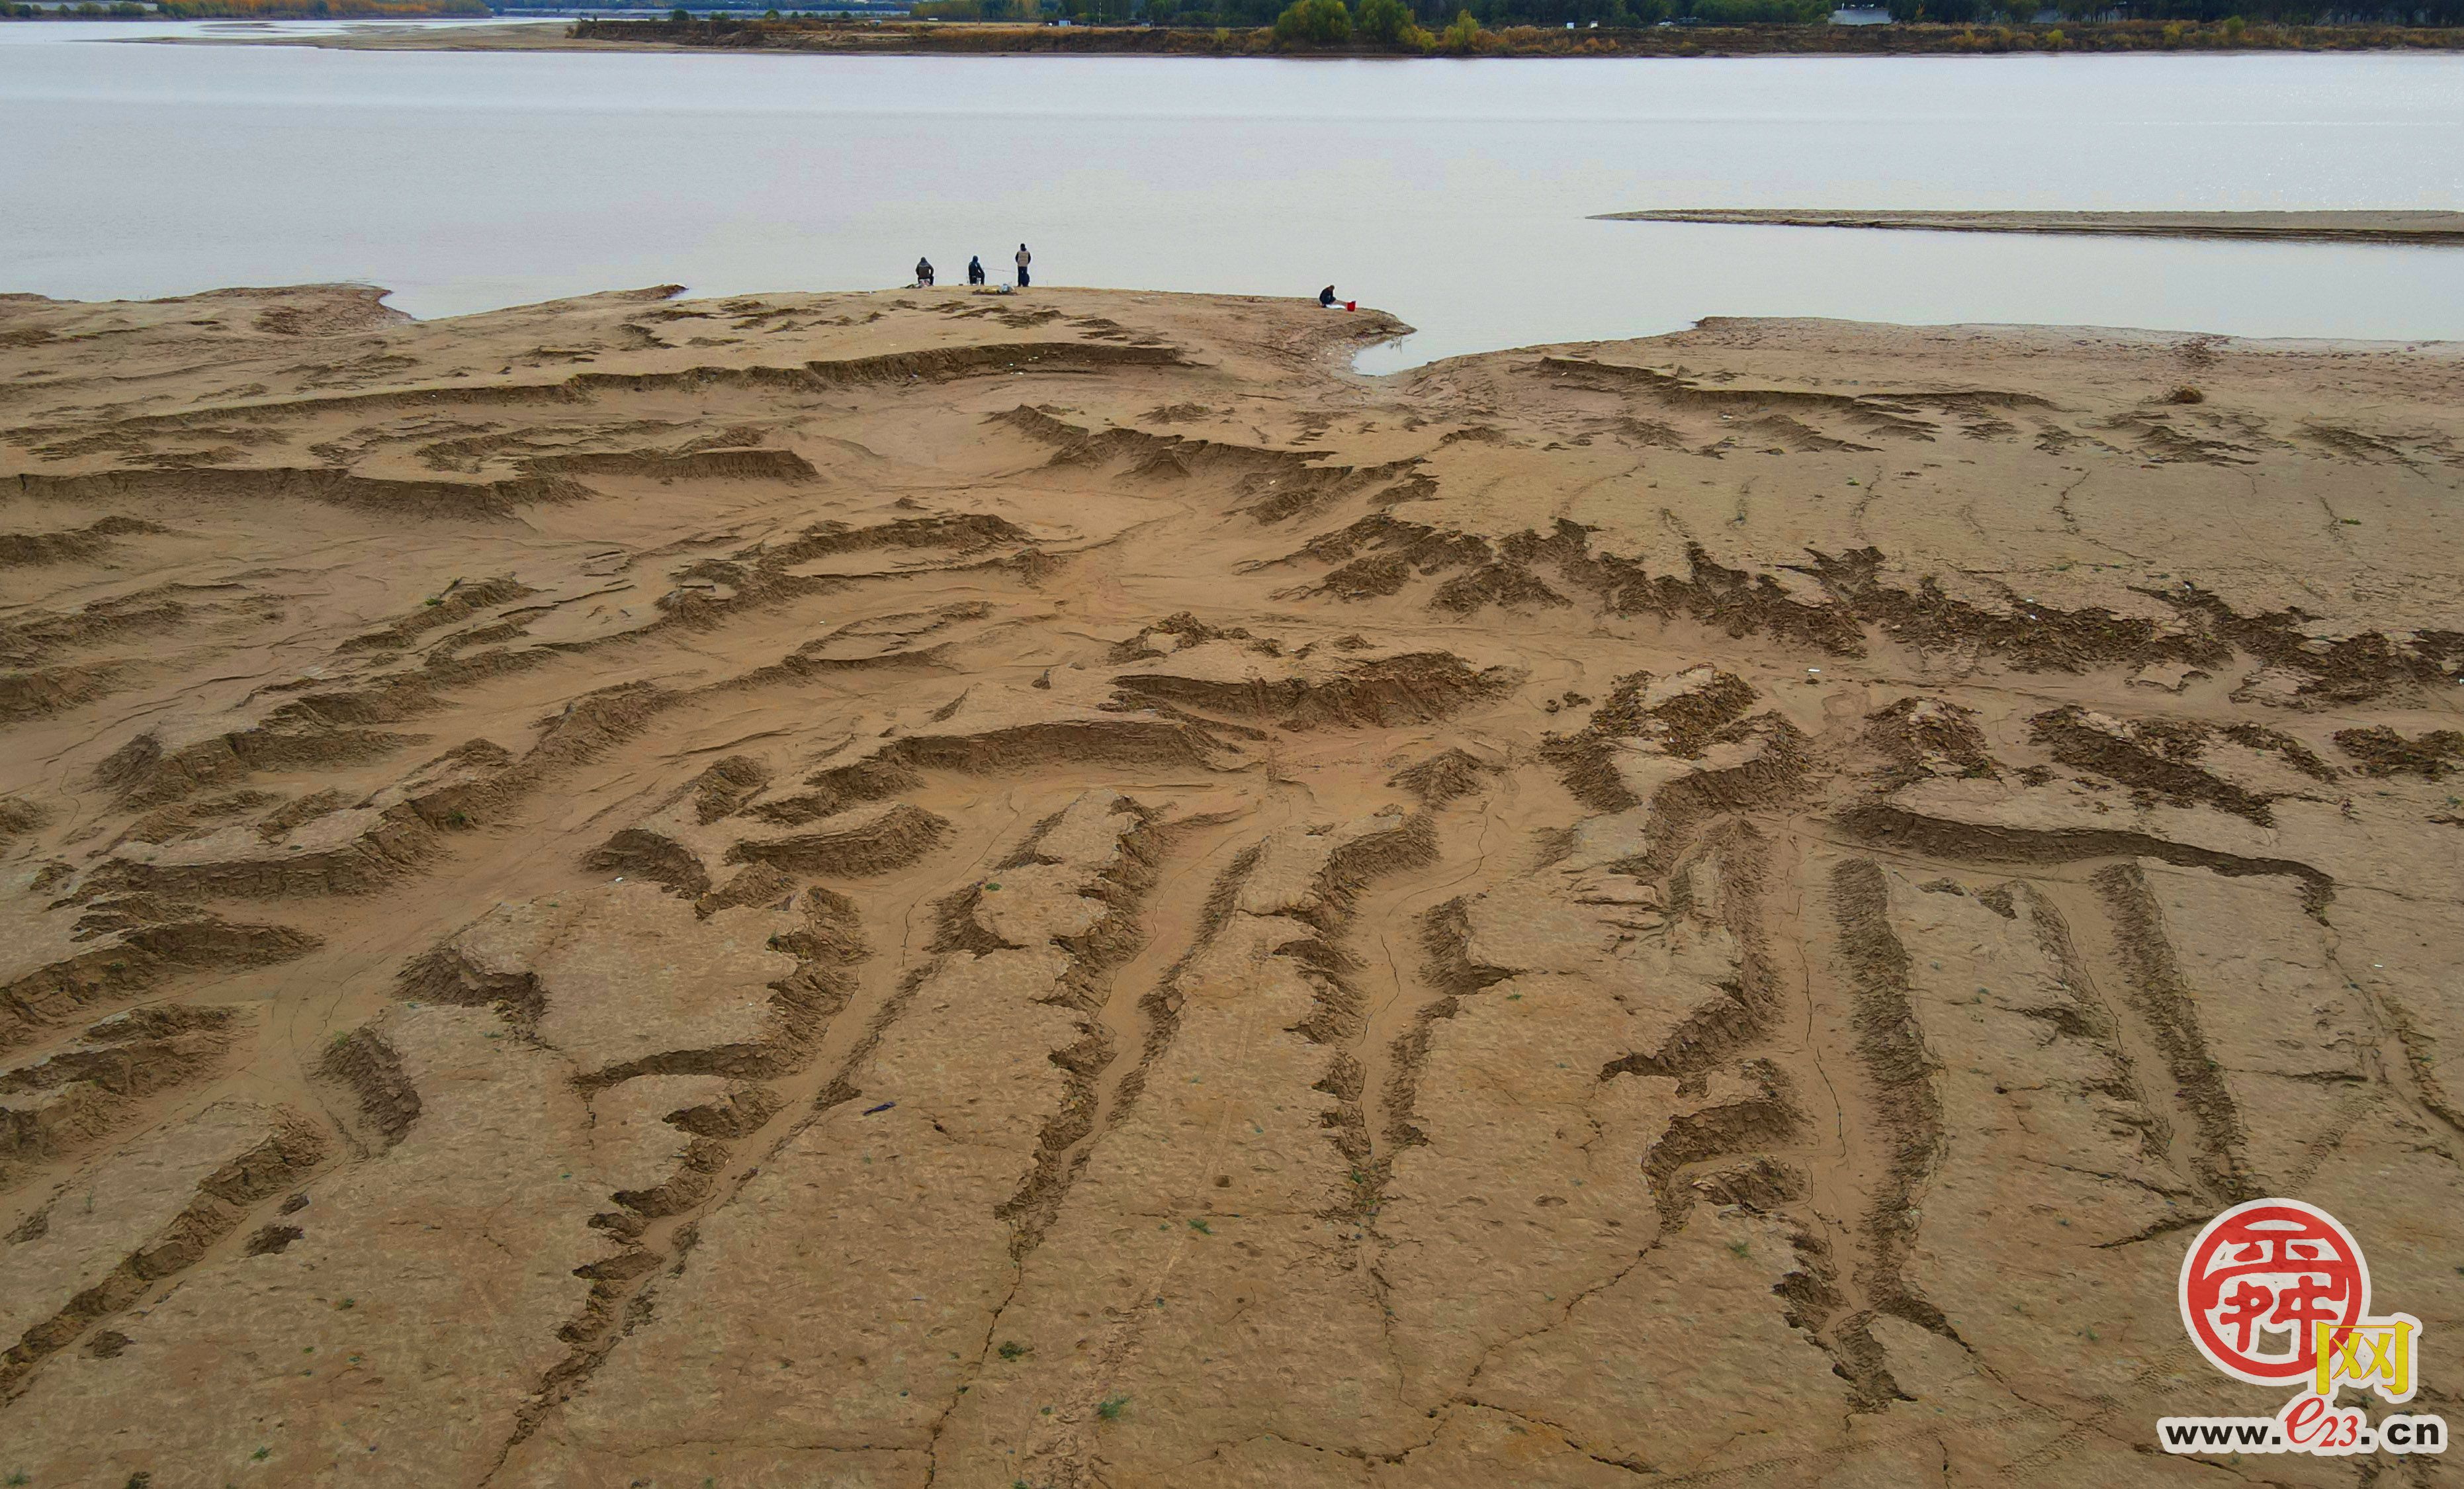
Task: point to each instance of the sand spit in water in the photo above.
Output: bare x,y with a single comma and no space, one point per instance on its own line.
2316,227
911,888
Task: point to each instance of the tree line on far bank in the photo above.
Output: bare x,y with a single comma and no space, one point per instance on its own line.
1398,26
2235,13
1452,25
1465,37
1436,24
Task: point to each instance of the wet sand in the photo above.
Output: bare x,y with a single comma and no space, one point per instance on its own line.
876,889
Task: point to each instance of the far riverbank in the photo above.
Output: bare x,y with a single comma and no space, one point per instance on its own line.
840,36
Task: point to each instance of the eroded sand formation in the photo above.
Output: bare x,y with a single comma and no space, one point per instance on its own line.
902,889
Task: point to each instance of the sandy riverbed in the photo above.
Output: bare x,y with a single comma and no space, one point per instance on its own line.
873,889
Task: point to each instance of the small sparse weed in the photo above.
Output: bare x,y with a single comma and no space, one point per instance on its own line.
1201,1228
16,1481
1111,1408
1011,1349
1741,1248
262,1453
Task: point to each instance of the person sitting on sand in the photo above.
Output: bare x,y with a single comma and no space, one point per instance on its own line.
976,270
924,273
1023,259
1326,301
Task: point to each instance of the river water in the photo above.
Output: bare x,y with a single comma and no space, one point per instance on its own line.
1454,195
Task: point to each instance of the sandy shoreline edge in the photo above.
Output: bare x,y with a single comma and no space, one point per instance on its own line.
2366,226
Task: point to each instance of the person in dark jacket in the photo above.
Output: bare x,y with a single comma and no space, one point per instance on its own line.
976,270
924,272
1023,259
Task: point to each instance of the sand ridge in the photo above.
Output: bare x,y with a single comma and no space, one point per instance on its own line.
922,888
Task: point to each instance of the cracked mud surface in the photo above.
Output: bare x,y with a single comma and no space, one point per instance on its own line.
912,889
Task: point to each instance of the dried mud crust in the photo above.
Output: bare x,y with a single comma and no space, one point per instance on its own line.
2385,751
1269,484
116,948
914,888
813,376
73,544
275,1149
1414,687
433,498
77,1095
1850,603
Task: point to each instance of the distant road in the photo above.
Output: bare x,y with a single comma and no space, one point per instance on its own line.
2338,227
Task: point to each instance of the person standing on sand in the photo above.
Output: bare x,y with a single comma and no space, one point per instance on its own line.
976,270
1023,259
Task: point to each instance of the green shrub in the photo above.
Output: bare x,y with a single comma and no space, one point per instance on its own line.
1385,22
1313,23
